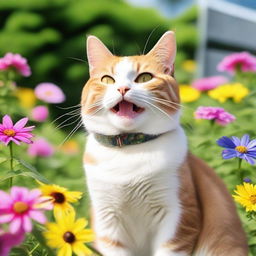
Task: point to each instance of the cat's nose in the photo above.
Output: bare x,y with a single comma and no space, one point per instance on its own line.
123,90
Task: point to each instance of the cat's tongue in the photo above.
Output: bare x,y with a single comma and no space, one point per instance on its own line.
126,109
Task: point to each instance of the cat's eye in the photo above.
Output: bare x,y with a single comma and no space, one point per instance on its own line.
107,80
143,77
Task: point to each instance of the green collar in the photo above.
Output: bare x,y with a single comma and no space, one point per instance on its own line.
124,139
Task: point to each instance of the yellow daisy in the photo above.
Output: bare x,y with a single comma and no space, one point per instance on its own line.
246,196
60,197
235,91
69,235
188,93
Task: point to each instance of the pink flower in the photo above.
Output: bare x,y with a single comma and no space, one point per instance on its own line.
20,207
219,115
209,83
15,133
49,93
8,240
40,113
40,147
242,61
17,61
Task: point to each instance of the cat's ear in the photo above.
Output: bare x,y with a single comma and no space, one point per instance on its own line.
96,52
164,50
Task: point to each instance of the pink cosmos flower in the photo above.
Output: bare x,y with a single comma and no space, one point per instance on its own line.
15,133
40,147
40,113
219,115
49,93
20,207
243,61
8,240
209,83
17,61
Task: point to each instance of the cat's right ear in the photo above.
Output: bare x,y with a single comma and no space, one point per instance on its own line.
96,52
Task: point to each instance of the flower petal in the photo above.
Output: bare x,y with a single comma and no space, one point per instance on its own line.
80,249
21,123
229,153
226,142
245,140
249,159
19,193
15,225
66,250
37,216
252,144
6,218
7,121
27,224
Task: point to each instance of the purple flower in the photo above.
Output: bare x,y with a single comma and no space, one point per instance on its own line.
242,148
49,93
20,207
243,61
40,113
16,61
219,115
209,83
40,147
247,180
8,240
17,132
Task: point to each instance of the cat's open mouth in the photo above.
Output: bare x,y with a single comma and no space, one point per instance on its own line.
127,109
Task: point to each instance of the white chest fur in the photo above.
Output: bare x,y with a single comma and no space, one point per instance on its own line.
134,191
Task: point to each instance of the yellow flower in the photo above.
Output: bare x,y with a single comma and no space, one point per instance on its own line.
188,93
26,97
70,147
69,235
189,65
246,196
60,197
235,91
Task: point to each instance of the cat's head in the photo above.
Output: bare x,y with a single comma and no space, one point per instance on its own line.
131,94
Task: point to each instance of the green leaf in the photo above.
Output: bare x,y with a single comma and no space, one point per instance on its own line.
9,175
27,165
40,238
35,175
3,160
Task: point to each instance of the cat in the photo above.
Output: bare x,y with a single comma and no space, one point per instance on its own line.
150,196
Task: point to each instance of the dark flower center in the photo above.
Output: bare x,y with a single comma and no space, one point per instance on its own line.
58,197
9,132
69,237
241,149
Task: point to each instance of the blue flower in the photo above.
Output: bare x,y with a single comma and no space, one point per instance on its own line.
242,148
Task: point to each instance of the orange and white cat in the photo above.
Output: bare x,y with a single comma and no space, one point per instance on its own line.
150,196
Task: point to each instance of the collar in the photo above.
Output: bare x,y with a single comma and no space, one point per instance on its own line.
124,139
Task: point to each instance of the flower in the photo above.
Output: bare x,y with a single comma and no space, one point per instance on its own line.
246,196
219,115
235,91
188,93
15,133
189,65
70,147
242,148
16,61
69,235
40,113
8,240
209,83
41,147
49,93
60,198
248,180
26,97
238,61
20,207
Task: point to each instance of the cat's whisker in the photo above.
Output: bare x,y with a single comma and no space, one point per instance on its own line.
77,119
66,114
75,106
80,60
59,126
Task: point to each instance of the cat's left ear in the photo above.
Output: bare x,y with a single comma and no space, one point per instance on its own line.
165,50
96,52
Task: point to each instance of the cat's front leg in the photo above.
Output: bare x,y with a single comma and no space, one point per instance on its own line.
165,251
112,248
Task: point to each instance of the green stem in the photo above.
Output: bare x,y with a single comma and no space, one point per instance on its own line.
11,162
31,252
94,250
240,169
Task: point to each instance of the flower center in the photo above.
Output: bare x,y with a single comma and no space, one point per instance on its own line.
241,149
48,93
69,237
9,132
58,197
253,199
20,207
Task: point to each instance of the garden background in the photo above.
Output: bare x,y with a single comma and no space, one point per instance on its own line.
51,35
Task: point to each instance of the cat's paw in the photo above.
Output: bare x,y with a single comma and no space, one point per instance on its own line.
168,252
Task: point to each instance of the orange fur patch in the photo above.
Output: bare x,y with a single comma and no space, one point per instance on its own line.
89,159
110,242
